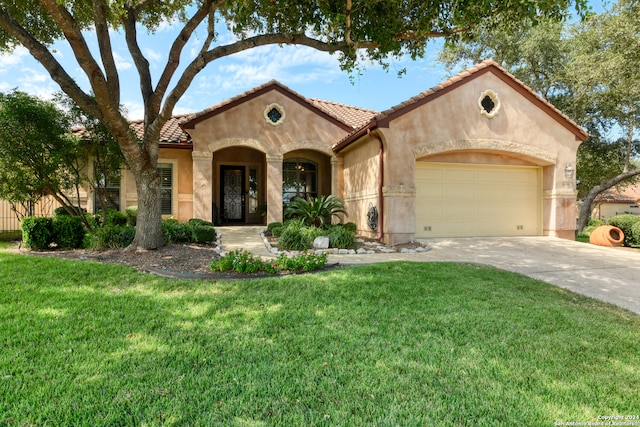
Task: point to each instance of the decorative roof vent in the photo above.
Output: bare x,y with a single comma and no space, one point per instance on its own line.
489,103
274,114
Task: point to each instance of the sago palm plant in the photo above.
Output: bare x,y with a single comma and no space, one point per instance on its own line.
316,211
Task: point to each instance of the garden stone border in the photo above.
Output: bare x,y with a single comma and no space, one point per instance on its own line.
373,248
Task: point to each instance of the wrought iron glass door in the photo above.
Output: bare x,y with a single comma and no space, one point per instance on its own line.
232,185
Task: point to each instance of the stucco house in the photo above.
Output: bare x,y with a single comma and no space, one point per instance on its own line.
617,201
478,155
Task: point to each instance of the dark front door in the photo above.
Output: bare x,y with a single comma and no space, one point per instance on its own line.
232,187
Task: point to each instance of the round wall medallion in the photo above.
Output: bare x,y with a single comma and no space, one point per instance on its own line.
274,114
489,103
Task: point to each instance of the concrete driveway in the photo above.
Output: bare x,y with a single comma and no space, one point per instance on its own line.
608,274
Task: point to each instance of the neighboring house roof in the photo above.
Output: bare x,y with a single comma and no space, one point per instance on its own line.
488,65
345,116
171,132
630,194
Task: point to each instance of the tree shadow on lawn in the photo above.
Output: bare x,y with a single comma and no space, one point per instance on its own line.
398,343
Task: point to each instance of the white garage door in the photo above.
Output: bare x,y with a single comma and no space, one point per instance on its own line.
459,200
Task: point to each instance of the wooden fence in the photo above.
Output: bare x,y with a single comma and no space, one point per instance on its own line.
10,219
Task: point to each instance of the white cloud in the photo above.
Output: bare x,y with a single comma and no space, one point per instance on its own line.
153,55
134,110
121,63
29,75
8,60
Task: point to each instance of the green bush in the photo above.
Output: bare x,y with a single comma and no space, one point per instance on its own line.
37,232
198,221
61,211
351,226
242,261
111,237
203,233
595,223
175,232
68,231
625,222
635,234
296,236
342,238
273,225
132,215
116,218
316,211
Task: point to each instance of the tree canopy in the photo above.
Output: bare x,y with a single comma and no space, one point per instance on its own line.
353,29
38,155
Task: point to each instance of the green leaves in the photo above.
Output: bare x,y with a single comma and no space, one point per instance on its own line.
35,148
316,211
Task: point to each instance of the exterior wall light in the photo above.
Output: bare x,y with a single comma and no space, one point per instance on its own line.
568,171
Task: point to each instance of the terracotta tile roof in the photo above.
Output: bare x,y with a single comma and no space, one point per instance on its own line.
349,117
355,117
630,194
477,70
171,132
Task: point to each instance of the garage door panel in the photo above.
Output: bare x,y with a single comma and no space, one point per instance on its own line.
456,200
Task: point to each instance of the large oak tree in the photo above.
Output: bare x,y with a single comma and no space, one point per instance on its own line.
371,29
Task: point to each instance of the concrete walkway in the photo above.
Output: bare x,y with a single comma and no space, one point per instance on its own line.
608,274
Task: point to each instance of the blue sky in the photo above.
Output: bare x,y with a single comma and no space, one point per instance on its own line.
311,73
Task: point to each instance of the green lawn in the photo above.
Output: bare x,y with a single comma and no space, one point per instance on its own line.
84,344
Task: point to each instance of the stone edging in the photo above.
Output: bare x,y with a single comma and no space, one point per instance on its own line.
374,248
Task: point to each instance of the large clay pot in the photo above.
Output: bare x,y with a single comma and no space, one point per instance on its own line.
606,235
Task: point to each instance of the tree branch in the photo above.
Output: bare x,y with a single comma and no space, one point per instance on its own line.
42,54
142,65
78,44
585,210
218,52
176,49
106,50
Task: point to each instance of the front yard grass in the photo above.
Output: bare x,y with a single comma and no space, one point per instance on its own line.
389,344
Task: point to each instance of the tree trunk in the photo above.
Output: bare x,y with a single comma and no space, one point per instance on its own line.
585,210
149,222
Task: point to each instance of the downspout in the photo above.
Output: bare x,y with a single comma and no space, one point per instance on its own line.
380,185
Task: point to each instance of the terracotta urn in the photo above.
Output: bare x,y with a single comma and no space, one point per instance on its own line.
606,235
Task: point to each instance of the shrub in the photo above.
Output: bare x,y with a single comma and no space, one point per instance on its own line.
243,261
273,225
198,221
625,222
37,232
68,231
316,211
174,232
61,211
296,236
132,215
240,261
111,237
635,234
341,237
351,226
203,233
116,218
595,223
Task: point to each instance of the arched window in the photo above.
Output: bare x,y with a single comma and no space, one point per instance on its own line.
299,179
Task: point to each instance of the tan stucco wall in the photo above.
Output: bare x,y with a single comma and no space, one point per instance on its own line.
302,133
450,128
182,183
608,209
